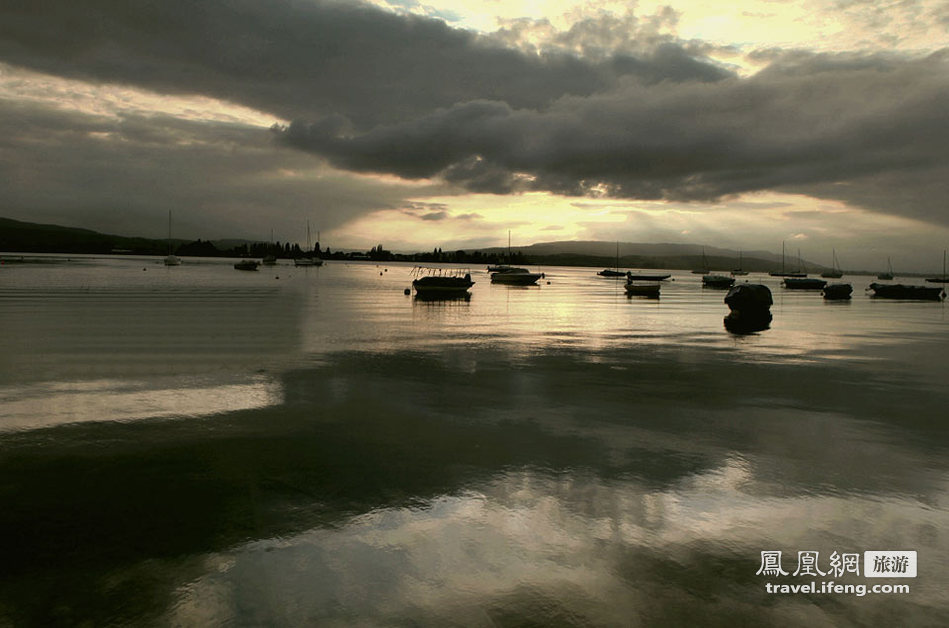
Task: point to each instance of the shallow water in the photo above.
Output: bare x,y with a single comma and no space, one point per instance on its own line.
201,446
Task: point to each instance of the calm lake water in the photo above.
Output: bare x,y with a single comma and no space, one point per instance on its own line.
195,446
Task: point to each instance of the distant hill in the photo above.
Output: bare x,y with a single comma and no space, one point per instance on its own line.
28,237
648,255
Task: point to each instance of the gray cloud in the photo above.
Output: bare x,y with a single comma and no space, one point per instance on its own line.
122,175
629,112
866,129
434,216
306,59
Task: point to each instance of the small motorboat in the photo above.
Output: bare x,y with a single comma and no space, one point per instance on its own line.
717,281
643,289
910,293
837,291
804,283
630,276
307,261
515,277
247,264
441,282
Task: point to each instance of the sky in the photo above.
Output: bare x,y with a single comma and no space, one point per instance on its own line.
819,123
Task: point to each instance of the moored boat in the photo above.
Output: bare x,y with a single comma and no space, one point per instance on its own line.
739,272
834,272
943,278
441,282
643,288
515,277
749,307
837,291
309,259
704,270
889,271
171,259
717,281
905,292
630,276
614,272
246,264
804,283
788,273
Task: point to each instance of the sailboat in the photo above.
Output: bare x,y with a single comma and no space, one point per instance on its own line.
308,260
615,271
943,278
835,272
784,273
171,259
704,269
889,271
739,272
271,259
511,275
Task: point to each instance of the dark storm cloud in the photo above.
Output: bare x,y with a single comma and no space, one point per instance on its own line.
868,129
305,59
122,174
640,116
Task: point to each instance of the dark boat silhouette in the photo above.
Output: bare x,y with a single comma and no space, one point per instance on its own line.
804,283
834,272
943,278
444,282
904,292
749,307
789,273
837,291
717,281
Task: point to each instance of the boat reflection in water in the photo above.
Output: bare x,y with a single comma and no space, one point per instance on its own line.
441,297
750,308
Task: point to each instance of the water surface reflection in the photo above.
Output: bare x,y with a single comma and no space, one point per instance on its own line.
481,486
